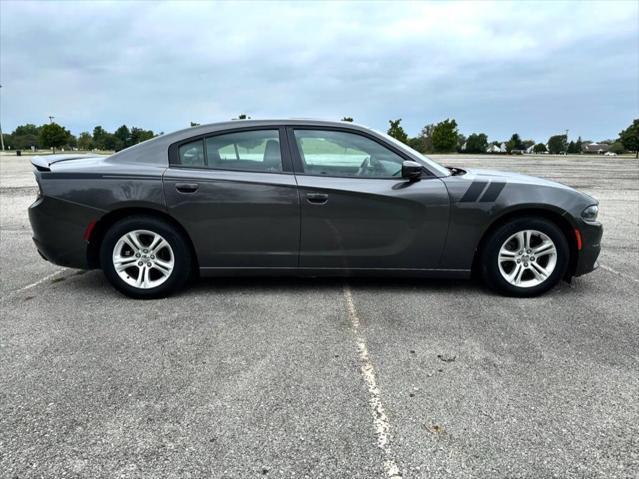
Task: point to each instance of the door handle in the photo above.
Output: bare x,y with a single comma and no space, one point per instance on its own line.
186,187
317,198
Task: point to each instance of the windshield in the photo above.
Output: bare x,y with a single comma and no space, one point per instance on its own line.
434,166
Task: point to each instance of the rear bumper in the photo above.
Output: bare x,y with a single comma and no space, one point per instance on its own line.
591,234
58,230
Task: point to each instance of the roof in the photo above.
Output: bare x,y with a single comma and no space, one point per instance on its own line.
212,127
596,147
148,151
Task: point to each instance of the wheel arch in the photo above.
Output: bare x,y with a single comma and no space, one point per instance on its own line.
109,219
551,215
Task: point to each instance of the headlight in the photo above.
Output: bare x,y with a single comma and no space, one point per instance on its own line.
590,213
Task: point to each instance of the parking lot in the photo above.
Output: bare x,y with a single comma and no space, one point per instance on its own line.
326,378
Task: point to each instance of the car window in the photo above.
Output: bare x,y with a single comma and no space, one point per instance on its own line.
192,154
246,150
338,153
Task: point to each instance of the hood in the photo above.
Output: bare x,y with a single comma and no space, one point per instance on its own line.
508,179
513,177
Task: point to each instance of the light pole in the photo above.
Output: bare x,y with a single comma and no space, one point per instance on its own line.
1,136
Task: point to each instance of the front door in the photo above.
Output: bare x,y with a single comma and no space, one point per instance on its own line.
236,196
357,211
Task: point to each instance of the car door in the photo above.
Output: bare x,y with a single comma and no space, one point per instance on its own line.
357,210
235,194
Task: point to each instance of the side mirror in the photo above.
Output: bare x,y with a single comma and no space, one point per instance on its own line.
411,170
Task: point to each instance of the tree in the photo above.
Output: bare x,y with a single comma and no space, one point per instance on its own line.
424,141
24,136
445,135
630,138
110,142
396,131
579,145
72,141
557,144
138,135
7,139
28,129
416,144
461,141
527,144
99,138
348,119
242,116
514,143
122,138
85,141
616,147
572,148
476,143
53,135
194,124
539,148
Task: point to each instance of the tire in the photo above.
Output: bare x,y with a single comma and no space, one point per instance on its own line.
139,264
516,255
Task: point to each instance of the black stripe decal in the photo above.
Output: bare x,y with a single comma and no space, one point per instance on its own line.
492,192
473,191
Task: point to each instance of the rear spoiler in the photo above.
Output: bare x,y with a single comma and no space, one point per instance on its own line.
43,163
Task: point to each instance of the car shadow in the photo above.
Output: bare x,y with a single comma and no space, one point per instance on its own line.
95,281
301,284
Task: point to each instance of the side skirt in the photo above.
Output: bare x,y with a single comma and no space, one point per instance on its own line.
338,272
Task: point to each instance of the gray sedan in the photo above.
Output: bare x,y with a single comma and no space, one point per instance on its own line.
304,197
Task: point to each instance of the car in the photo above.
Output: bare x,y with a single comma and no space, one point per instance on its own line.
610,153
304,197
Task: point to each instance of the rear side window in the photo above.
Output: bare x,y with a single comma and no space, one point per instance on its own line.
246,150
192,154
256,150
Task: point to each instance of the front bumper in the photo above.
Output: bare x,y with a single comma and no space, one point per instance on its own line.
58,228
591,234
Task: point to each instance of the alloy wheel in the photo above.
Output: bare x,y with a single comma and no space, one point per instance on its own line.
527,258
143,259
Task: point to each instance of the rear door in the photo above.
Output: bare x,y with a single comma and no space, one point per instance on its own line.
235,193
357,211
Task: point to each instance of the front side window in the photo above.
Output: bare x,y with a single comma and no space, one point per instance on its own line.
245,150
338,153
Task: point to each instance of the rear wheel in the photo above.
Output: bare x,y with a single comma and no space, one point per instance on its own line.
144,257
525,257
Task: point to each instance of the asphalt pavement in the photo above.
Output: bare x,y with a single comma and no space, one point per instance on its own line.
241,378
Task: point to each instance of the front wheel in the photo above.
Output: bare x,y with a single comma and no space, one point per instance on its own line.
145,258
525,257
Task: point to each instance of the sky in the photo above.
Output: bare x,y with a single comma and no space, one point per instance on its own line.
535,68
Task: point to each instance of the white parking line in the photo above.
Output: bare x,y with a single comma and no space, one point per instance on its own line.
40,281
619,273
380,420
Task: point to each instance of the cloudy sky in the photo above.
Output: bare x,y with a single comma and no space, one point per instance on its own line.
533,68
